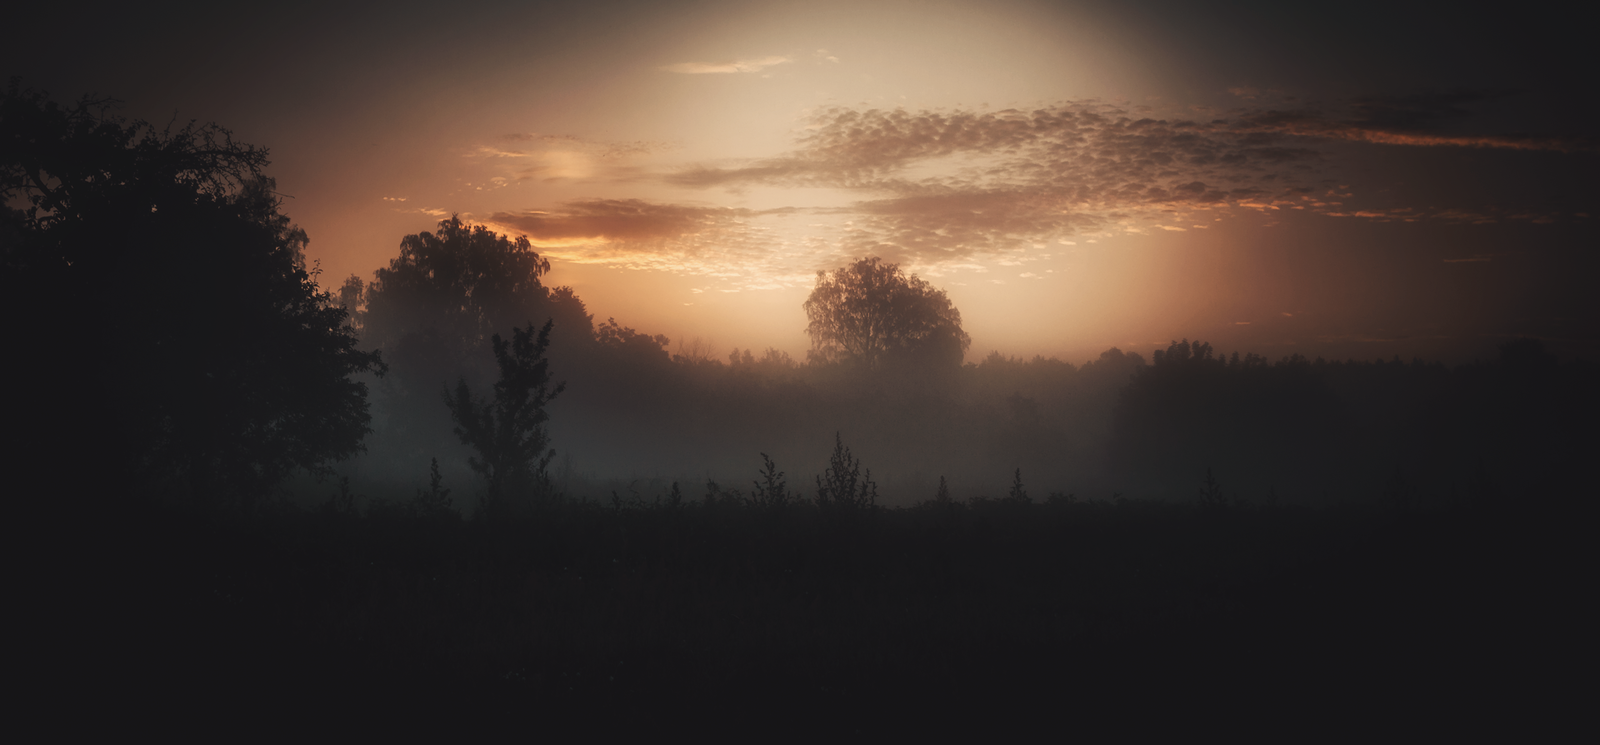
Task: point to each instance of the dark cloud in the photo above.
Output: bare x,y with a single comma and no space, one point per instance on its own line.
1418,111
617,219
1418,120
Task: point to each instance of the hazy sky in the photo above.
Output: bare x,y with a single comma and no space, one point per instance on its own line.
1352,179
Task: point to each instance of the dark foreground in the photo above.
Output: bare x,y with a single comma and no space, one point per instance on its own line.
761,624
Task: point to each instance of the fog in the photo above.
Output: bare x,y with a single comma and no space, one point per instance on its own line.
640,412
449,488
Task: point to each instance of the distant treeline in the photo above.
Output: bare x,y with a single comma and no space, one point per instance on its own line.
636,417
174,341
1298,430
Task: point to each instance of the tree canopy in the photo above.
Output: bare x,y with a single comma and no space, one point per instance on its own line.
168,314
434,309
871,314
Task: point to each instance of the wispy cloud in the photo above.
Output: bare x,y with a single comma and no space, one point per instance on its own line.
528,156
739,246
1093,151
746,65
965,190
599,220
432,211
1311,125
940,186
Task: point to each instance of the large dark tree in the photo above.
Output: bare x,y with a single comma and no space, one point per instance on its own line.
163,313
871,314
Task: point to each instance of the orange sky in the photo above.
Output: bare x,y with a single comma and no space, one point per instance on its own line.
1075,175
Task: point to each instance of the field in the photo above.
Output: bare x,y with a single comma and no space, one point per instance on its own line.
720,616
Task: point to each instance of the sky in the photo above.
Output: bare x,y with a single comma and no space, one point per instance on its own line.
1353,180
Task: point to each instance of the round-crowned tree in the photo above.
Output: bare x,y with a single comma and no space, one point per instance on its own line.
434,311
870,314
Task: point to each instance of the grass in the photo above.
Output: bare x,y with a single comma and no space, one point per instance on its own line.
715,612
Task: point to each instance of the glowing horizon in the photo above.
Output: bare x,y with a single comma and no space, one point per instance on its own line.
1075,176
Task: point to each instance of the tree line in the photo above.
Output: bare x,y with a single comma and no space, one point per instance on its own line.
176,340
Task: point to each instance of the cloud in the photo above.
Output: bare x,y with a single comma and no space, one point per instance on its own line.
1431,120
597,148
1096,150
616,219
704,68
545,157
432,211
1085,153
1457,216
969,190
720,242
1419,110
945,185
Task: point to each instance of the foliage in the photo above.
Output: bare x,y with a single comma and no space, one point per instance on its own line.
435,501
463,279
843,487
590,606
627,344
869,313
1018,494
436,306
1193,407
717,497
771,492
509,432
1211,496
166,296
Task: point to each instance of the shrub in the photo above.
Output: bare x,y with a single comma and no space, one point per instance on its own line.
843,487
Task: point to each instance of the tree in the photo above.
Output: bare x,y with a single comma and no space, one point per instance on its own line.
843,487
771,492
435,502
433,310
436,306
870,314
509,432
166,311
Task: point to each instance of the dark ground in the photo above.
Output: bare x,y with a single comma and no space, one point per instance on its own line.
975,618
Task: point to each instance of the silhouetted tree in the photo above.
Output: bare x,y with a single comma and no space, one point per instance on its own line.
165,304
509,432
435,501
1018,493
629,346
771,492
436,305
843,487
1211,496
869,313
1268,422
433,310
